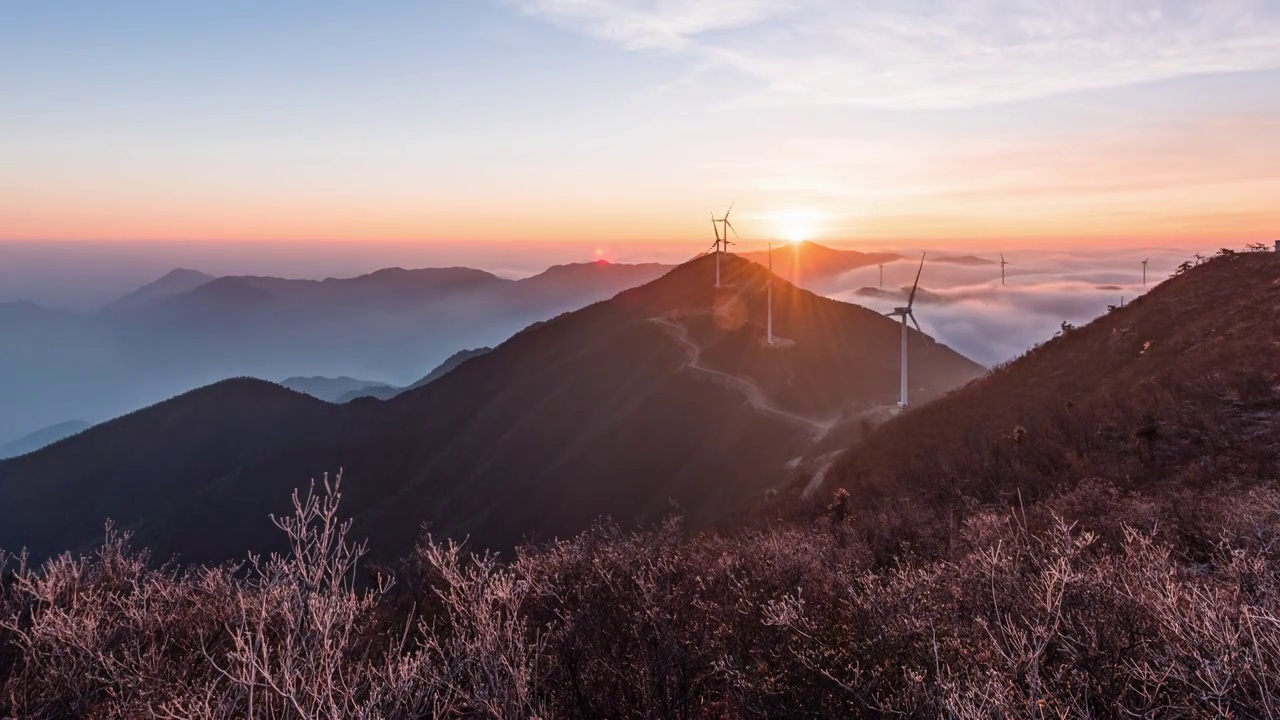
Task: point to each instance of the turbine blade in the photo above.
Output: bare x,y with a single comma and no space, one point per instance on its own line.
913,322
912,298
731,227
726,212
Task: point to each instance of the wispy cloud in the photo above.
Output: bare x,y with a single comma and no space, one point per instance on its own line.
920,53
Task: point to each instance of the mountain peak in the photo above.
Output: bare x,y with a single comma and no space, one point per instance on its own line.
184,273
664,392
175,282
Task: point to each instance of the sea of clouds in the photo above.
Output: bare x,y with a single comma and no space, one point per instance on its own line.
991,323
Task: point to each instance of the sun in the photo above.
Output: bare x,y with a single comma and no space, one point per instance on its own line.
795,225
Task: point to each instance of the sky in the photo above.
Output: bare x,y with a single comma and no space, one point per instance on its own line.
982,123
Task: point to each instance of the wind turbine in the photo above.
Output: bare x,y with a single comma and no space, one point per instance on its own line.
904,313
881,276
1003,262
722,243
1144,272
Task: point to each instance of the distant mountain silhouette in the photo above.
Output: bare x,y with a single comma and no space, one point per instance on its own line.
174,282
386,392
962,260
808,262
42,437
599,277
187,330
333,389
665,393
50,366
901,294
19,314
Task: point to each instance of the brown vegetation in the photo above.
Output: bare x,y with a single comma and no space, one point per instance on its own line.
1031,615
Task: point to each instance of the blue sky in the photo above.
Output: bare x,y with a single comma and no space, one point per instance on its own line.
628,120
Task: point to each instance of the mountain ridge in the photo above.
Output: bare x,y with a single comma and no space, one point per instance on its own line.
596,412
391,325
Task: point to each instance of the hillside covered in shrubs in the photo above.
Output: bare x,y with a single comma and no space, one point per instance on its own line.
1091,531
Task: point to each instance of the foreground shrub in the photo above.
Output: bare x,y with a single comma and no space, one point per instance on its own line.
1092,603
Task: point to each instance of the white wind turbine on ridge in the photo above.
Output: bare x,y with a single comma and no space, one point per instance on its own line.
722,242
904,313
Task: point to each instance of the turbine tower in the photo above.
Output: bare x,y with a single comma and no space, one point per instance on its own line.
1144,272
881,276
1002,264
904,313
722,239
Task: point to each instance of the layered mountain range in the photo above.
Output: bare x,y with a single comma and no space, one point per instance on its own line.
387,329
665,398
188,329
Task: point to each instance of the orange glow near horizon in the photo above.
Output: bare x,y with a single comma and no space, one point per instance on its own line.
1211,182
1146,191
1197,217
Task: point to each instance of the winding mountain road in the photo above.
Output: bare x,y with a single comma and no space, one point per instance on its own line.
754,395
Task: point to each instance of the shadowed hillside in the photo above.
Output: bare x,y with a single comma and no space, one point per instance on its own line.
663,394
1180,388
137,468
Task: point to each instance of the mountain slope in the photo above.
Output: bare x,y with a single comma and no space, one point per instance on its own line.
662,394
600,278
1180,386
42,437
449,364
135,468
174,282
386,392
337,389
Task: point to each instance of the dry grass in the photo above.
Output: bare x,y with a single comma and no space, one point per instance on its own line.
1031,615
